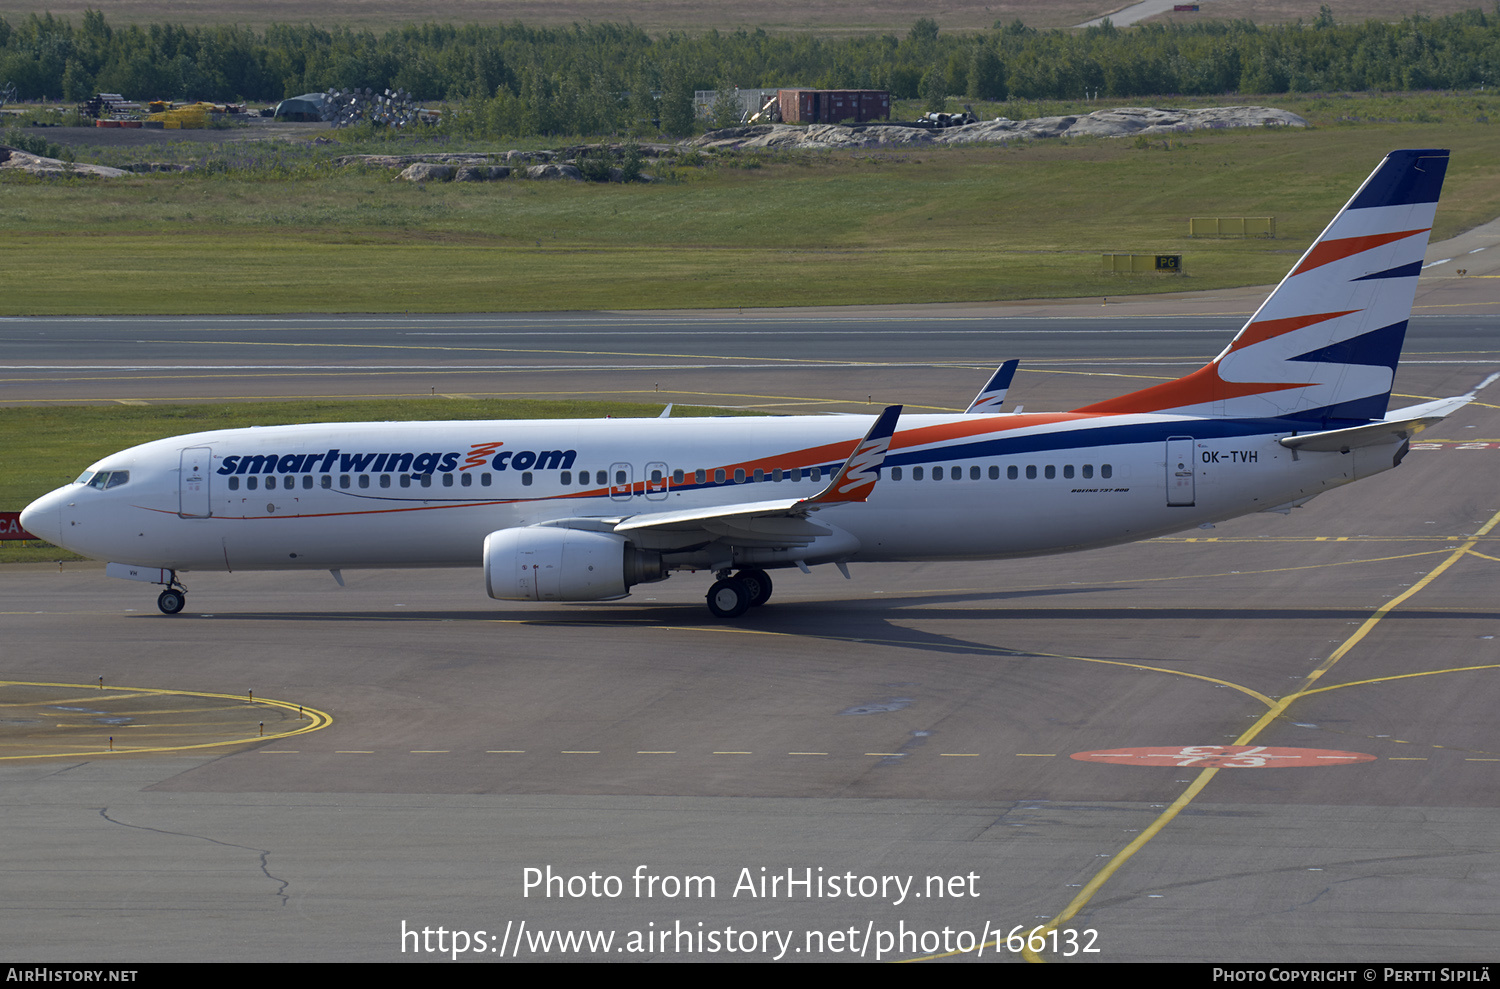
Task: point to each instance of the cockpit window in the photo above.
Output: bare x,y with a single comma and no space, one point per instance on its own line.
107,479
84,477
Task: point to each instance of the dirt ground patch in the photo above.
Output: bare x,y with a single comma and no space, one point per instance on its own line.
257,129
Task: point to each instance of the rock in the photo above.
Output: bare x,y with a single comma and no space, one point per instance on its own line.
426,171
554,172
52,168
401,161
481,173
1118,122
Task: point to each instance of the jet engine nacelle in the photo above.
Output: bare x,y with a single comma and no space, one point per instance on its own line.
547,563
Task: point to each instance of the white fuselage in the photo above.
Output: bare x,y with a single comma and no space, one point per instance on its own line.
425,494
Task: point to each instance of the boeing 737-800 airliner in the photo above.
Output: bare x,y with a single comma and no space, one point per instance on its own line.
582,510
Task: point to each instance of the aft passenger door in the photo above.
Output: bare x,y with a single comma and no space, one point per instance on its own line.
192,483
1181,480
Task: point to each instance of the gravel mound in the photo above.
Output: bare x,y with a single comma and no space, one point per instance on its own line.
1119,122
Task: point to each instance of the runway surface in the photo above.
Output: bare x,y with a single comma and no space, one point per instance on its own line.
919,749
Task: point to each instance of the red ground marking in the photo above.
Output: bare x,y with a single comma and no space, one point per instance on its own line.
1224,757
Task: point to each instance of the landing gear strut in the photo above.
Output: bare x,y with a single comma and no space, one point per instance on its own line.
173,599
731,597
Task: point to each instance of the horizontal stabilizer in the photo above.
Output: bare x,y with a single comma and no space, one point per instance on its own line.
1401,424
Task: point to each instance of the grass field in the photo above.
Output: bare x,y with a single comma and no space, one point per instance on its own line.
660,16
901,225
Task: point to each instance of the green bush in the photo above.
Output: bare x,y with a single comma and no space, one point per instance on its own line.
36,144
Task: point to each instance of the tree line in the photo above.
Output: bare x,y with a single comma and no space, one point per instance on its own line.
613,78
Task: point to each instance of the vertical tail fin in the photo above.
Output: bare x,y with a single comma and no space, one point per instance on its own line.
992,396
1325,345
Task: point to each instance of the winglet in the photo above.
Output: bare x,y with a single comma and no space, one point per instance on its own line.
862,469
992,395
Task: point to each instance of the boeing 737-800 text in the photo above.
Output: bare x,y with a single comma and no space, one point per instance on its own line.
582,510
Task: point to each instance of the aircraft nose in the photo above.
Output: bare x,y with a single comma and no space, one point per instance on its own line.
43,517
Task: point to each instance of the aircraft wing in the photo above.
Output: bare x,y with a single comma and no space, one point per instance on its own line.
1401,424
853,483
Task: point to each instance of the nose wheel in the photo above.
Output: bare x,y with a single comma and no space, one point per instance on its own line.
172,600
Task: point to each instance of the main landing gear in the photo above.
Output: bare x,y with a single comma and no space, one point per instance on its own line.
731,597
173,599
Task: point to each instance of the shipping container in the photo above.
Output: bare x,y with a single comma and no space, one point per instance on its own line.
832,106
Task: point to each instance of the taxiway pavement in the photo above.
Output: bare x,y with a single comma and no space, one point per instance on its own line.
918,724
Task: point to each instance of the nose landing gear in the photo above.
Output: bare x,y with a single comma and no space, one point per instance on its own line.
173,599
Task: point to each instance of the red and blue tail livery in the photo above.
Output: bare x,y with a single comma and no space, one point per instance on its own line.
584,510
1323,348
